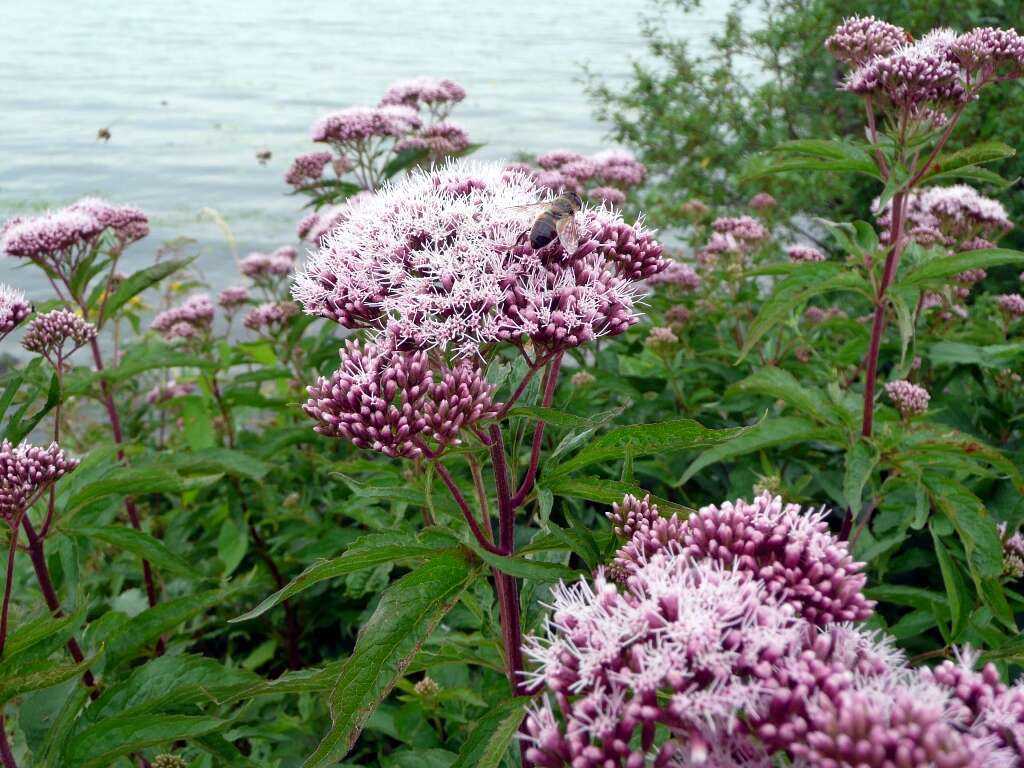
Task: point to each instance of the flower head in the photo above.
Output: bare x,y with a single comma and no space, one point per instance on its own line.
678,274
762,201
58,333
127,223
442,139
233,296
359,124
632,515
1012,304
987,52
804,254
686,648
618,166
860,38
270,315
14,308
608,195
307,168
908,398
439,260
191,318
459,398
556,158
260,266
26,471
427,91
49,236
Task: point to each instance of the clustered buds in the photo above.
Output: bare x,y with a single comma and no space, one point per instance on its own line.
804,254
603,177
1011,303
191,319
438,96
677,274
270,316
57,334
736,236
439,139
632,515
762,201
861,38
909,399
956,217
26,472
389,400
60,239
14,308
233,297
307,168
267,266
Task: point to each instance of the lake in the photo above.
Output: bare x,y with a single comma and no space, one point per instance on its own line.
190,92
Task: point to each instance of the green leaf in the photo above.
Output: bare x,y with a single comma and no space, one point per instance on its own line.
551,416
98,747
144,629
149,355
232,544
368,552
976,529
126,481
141,544
405,617
404,160
767,434
991,356
811,155
39,674
521,568
960,602
198,422
488,742
215,460
904,318
943,266
948,164
606,491
647,439
794,291
139,281
861,460
779,384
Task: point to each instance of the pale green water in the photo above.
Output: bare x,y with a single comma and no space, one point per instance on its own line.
192,90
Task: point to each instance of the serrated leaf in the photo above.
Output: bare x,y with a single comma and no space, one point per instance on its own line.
126,481
149,355
960,353
960,602
645,440
405,617
522,568
141,544
970,519
37,675
488,742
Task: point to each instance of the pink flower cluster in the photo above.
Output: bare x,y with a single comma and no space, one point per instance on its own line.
956,217
26,471
437,95
603,177
926,78
233,296
1012,304
355,125
737,236
267,266
1013,553
57,334
14,308
861,38
307,168
270,316
762,201
391,401
909,399
804,254
191,319
678,274
440,260
58,240
319,223
443,139
712,654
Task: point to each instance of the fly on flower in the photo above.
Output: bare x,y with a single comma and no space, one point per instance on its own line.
555,218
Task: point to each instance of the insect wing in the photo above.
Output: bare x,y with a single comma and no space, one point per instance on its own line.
568,234
530,207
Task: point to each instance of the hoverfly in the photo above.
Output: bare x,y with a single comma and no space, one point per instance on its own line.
555,218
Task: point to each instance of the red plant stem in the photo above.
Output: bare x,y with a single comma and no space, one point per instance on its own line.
506,514
129,505
878,324
5,748
8,584
35,552
550,383
467,513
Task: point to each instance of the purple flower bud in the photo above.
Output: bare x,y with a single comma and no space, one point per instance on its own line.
1011,303
860,38
908,398
57,334
270,316
193,317
677,274
804,254
458,400
233,296
307,168
607,195
25,473
762,201
442,139
359,124
423,90
632,515
128,224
